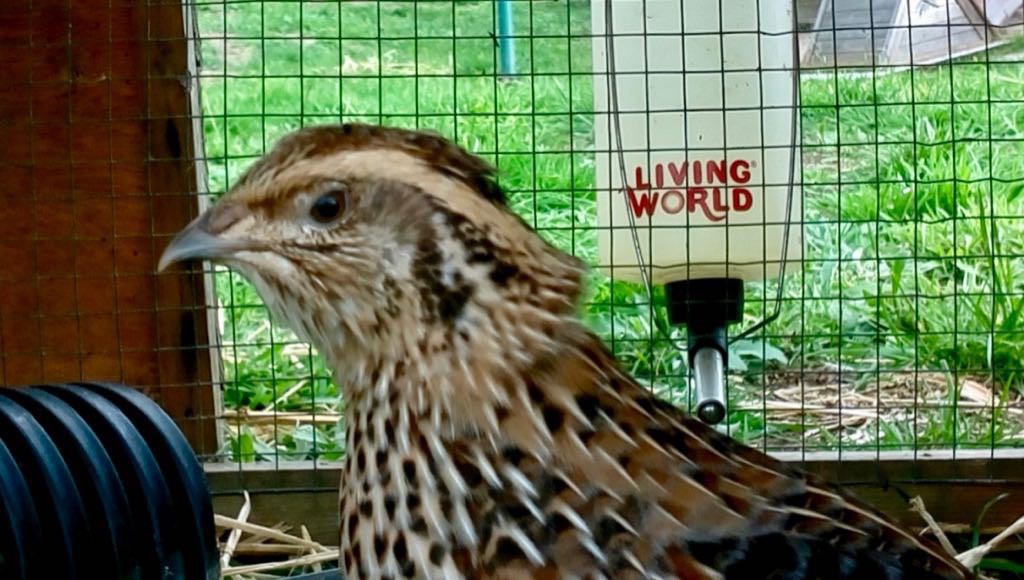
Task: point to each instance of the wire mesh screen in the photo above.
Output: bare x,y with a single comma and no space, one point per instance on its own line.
95,170
899,327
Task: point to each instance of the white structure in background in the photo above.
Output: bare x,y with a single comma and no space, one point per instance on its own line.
896,33
705,164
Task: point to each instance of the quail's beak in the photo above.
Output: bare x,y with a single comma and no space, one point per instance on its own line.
197,242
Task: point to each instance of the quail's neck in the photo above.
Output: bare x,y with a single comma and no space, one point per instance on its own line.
398,435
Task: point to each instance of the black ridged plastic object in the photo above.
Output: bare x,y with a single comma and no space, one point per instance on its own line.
132,497
148,498
182,473
21,541
325,575
103,495
53,490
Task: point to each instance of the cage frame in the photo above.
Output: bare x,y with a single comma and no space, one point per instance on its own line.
307,491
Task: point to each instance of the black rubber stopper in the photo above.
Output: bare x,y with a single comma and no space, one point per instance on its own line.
103,496
182,473
57,502
705,301
705,306
21,539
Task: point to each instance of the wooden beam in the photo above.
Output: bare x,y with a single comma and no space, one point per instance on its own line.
300,493
304,493
96,174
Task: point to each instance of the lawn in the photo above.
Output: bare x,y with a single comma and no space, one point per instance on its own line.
900,330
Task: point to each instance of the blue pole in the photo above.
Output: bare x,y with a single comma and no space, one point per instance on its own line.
506,42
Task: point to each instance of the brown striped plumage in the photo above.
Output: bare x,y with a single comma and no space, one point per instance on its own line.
490,433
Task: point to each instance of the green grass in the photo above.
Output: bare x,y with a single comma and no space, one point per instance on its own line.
913,280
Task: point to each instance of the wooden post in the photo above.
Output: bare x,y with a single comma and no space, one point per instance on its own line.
97,173
955,488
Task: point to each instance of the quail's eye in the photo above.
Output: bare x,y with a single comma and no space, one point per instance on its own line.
328,207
